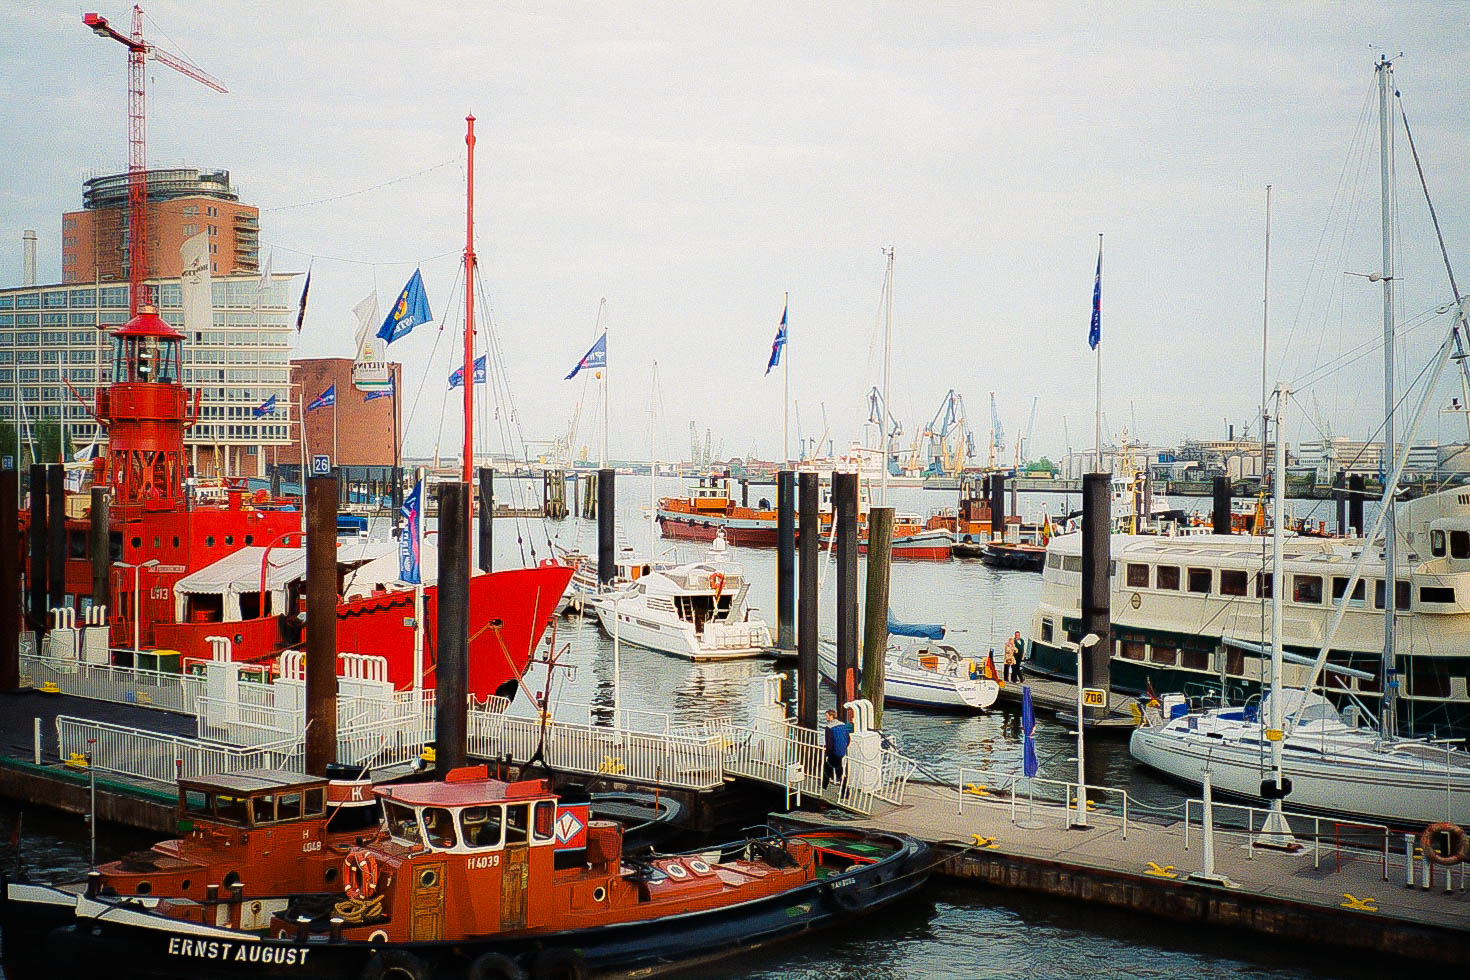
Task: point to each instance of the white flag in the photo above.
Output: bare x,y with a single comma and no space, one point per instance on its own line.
265,273
370,370
194,284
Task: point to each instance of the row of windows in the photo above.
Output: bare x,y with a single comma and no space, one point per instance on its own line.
1306,590
240,293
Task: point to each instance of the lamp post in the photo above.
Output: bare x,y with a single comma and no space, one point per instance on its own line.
137,613
1088,642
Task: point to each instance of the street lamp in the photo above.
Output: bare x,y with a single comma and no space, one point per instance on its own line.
137,613
1088,642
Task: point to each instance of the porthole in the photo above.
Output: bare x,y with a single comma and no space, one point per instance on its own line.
599,894
676,871
176,540
699,867
184,886
231,880
209,541
144,887
376,936
331,874
428,878
229,540
136,542
249,539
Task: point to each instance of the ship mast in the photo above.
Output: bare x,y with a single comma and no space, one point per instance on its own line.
1390,568
469,307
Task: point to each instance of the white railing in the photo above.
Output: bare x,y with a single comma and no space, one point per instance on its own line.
165,758
127,685
1255,822
1037,797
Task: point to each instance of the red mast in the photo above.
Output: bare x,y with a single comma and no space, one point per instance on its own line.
469,310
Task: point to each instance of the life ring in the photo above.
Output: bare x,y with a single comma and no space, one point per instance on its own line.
360,875
717,582
1458,844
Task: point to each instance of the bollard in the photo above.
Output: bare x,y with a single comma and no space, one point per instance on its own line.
1408,860
450,718
1209,818
806,614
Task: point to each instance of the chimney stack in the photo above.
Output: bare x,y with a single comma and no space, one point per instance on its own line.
28,238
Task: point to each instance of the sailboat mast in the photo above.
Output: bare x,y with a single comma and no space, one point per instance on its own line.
469,306
883,411
1265,337
1390,566
1278,580
653,465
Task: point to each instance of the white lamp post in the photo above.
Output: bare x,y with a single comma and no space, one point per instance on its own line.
1088,642
137,612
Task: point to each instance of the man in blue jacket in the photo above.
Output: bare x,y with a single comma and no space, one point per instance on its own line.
837,735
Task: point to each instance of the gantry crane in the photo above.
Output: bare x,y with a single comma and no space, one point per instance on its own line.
140,49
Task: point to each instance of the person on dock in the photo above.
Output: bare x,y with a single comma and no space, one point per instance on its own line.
1020,656
837,733
1012,670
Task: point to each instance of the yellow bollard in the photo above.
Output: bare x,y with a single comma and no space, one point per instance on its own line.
1359,904
1155,871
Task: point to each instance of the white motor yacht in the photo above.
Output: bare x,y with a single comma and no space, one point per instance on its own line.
922,672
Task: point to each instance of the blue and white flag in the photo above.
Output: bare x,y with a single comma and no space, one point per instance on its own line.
1028,725
408,538
1094,335
267,407
409,310
385,393
596,357
779,343
457,378
326,399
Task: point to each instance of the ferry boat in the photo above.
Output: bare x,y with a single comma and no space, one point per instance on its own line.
470,880
1191,612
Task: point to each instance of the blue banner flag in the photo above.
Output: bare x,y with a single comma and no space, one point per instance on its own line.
409,310
457,378
779,343
385,393
1028,725
326,399
408,538
267,407
596,357
301,307
1094,335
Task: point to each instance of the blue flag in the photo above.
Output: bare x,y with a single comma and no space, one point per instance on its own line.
326,399
385,393
595,357
779,343
408,538
1028,725
409,310
267,407
1094,335
457,378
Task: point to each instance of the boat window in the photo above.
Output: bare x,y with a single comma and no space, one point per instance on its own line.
1199,580
480,826
544,826
439,826
1428,680
1460,544
516,824
1194,659
1401,593
1436,593
200,803
288,806
315,803
264,808
1163,655
1339,587
1132,650
1137,576
1167,577
1436,543
1232,581
1234,661
1265,582
1046,630
1306,589
1071,563
232,808
403,823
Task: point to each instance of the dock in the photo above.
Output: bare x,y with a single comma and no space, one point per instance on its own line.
1060,698
1333,891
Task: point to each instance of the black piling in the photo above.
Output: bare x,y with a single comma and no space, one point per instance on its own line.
275,474
1339,497
845,507
744,492
1357,488
806,615
451,722
997,507
875,628
36,581
9,581
99,546
606,545
56,535
1220,518
487,518
1096,540
786,560
321,624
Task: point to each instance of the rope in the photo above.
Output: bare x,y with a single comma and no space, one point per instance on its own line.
355,911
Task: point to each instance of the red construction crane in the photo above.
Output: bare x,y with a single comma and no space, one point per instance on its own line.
139,51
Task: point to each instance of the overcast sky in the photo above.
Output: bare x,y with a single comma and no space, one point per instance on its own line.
692,163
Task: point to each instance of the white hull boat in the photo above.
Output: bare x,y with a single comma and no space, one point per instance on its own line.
926,675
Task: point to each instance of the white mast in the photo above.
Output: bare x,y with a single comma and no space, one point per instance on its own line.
418,589
1390,571
652,464
1265,334
602,457
785,383
1276,831
1098,287
883,409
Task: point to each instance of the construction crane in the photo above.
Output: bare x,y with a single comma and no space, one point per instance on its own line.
140,49
1024,449
997,434
949,444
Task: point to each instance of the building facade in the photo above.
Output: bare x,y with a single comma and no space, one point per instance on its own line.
54,347
182,202
357,430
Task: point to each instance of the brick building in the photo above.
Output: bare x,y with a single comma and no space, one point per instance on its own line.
365,431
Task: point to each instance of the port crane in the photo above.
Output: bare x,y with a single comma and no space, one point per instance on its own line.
997,434
140,50
949,442
1023,449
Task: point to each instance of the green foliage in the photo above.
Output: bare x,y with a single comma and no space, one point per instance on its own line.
46,435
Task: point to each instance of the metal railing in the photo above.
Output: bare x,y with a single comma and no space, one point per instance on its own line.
104,682
990,787
1254,827
166,758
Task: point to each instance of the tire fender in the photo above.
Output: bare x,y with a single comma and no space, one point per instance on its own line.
558,963
395,964
495,966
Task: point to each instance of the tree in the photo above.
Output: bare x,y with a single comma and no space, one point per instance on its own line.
38,442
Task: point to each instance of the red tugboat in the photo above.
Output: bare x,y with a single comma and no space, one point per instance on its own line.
470,881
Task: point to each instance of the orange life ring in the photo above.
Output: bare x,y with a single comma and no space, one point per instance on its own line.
360,875
1459,844
717,582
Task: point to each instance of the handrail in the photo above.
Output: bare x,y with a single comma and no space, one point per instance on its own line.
978,792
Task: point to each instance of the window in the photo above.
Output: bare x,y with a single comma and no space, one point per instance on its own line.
1400,591
1436,543
1436,593
479,826
1428,680
1265,583
264,808
403,823
1046,631
1137,576
1194,660
1232,581
1071,563
1339,587
543,827
439,825
1460,544
1199,580
516,824
1163,655
1306,589
1167,577
1132,650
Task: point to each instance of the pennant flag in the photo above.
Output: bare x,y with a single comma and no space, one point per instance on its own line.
457,378
326,399
385,393
1028,725
301,307
779,343
409,569
1094,334
409,310
596,357
267,407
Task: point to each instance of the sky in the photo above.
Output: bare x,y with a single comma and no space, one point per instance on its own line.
695,164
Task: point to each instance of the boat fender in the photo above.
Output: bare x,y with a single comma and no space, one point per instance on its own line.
495,966
398,964
1434,833
557,963
359,875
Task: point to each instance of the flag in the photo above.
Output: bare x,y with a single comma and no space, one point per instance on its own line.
409,310
1028,725
265,274
595,357
386,392
370,369
780,342
301,307
1094,334
267,407
990,673
196,295
408,538
457,378
326,399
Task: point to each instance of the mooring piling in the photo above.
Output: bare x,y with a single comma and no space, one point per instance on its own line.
845,508
785,560
321,624
875,632
451,722
806,614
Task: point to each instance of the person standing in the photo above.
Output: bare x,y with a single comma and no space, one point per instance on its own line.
837,734
1010,661
1020,656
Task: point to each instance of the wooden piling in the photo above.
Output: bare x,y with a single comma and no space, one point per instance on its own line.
1221,516
9,581
1096,541
997,507
36,579
875,628
806,614
99,546
785,560
1357,490
56,535
321,624
607,555
845,507
451,722
1339,497
487,518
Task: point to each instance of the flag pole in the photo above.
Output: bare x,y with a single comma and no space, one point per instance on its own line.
786,386
605,420
301,478
1099,362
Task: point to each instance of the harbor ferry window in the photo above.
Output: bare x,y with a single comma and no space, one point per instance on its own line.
479,826
543,828
1132,650
1194,659
1163,655
1400,590
1199,580
1137,576
1168,578
1460,544
1436,593
1046,631
439,825
1071,563
1264,584
1306,589
403,823
1436,543
516,824
1232,581
1429,680
1339,586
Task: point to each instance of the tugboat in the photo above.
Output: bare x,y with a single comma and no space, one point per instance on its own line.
471,880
